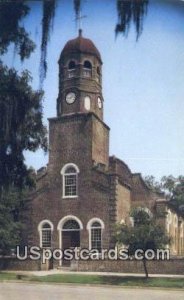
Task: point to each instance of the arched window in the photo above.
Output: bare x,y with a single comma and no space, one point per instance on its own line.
71,68
71,225
87,72
95,226
87,65
96,236
45,229
71,65
70,180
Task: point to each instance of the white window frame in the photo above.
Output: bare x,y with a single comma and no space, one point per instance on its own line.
96,232
87,72
40,230
63,173
89,228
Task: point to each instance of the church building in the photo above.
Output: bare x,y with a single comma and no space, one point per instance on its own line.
83,192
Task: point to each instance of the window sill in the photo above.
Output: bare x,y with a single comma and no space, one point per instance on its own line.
69,197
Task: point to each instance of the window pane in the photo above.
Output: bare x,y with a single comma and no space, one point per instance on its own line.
46,238
71,224
96,224
70,170
70,185
46,225
96,239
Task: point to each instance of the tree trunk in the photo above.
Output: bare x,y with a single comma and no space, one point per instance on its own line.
145,268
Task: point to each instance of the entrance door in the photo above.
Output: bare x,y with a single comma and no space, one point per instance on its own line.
70,237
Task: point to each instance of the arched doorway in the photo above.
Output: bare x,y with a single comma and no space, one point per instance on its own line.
69,234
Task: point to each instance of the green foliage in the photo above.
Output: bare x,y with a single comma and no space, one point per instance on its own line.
177,195
154,185
11,13
21,129
132,281
21,126
173,187
168,184
145,234
140,217
10,219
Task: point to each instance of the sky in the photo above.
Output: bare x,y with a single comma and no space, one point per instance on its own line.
143,86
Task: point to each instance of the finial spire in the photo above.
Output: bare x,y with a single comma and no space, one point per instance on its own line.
78,19
80,32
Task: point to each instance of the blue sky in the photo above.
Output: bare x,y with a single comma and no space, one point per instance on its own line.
142,81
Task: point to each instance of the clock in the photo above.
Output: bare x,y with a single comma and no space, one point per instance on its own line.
70,98
99,102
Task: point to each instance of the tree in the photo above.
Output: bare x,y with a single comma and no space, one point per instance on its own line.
154,185
172,187
175,189
11,226
145,234
21,128
11,14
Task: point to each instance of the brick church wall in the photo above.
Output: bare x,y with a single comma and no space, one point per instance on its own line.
123,203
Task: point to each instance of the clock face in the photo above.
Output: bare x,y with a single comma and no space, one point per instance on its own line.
70,98
99,102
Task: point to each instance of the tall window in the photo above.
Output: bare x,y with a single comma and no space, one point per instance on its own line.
71,69
46,236
87,71
96,236
70,180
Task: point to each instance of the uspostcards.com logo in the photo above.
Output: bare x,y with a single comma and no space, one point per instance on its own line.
45,254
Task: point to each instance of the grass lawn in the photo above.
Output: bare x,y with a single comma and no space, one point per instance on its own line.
98,279
7,276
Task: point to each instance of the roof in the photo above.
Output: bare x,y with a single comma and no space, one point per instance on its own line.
82,45
118,167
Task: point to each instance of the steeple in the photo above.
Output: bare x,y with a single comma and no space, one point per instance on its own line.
80,78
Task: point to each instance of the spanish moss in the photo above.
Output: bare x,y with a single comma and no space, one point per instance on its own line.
77,7
130,11
47,26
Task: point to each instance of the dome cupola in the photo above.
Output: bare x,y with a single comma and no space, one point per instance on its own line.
80,45
80,78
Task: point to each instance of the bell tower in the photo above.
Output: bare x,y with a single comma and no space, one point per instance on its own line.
78,134
80,78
